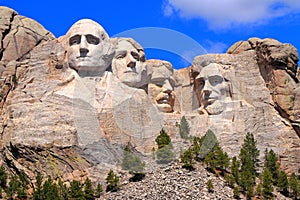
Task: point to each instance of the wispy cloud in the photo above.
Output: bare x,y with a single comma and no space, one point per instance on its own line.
222,14
215,47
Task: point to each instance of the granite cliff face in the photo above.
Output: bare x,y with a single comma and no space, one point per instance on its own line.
61,118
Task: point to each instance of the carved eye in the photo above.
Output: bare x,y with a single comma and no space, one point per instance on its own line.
91,39
136,56
159,84
215,80
74,40
201,82
120,55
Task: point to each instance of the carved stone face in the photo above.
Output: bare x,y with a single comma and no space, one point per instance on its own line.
210,89
127,65
161,87
88,52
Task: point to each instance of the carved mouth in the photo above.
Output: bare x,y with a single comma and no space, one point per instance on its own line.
164,100
82,58
209,99
128,72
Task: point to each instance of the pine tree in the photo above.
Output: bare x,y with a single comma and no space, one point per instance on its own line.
196,147
267,183
3,177
247,182
163,139
22,191
184,128
249,160
249,153
62,190
272,164
283,183
38,189
187,158
217,158
210,186
294,185
164,153
14,185
99,190
88,190
222,159
76,191
229,180
112,181
236,192
209,160
50,190
259,190
235,165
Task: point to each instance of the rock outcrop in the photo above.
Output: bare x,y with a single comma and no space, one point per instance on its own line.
18,35
278,66
60,121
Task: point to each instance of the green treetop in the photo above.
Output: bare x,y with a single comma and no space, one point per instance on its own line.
163,139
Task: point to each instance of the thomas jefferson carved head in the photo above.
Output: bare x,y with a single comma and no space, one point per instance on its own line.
161,86
89,50
128,64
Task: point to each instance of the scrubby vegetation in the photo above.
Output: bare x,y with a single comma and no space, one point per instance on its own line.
243,173
164,153
133,164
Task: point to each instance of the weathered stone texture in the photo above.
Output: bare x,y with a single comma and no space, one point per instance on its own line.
278,66
18,36
55,121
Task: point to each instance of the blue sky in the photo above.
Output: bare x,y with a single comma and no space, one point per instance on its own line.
174,30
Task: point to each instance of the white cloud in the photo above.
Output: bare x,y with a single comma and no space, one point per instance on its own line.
224,13
168,10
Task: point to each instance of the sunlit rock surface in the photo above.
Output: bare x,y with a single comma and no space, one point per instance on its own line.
56,121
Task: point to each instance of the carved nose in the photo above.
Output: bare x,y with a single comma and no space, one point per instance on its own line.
167,87
83,47
83,51
206,92
131,64
207,88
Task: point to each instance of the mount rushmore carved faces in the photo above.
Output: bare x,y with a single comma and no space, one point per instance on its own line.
210,89
128,64
89,50
161,86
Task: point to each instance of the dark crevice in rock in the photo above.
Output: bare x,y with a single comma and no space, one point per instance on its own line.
284,115
27,54
9,163
14,151
297,129
5,33
48,159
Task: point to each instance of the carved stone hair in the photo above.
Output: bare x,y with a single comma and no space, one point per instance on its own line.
135,44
